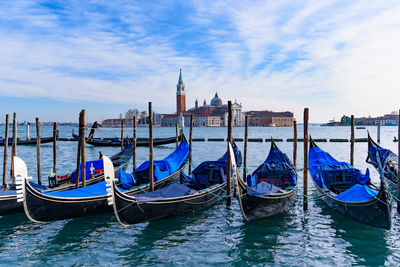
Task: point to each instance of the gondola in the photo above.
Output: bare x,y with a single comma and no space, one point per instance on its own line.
203,187
117,141
385,162
348,191
49,206
31,141
8,194
269,189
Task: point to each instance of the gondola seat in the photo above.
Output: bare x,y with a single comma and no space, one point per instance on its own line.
341,177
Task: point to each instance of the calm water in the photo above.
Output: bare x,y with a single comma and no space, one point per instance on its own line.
217,236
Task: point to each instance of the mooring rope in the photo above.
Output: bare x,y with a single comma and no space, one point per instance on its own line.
393,195
190,163
309,198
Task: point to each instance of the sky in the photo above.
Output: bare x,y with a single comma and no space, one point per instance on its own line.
334,57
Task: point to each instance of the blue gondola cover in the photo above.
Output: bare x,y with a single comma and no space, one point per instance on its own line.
262,189
209,172
357,193
327,171
173,190
269,176
163,168
90,167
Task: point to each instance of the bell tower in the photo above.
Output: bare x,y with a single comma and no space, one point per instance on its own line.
180,95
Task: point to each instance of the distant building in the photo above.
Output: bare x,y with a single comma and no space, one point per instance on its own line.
270,118
345,120
157,118
215,114
386,120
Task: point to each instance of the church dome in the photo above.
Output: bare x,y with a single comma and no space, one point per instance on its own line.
216,101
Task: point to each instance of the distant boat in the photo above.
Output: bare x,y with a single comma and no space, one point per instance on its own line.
360,127
31,141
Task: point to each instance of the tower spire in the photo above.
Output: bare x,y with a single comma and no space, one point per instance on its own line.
180,76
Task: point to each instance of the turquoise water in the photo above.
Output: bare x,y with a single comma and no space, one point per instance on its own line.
214,236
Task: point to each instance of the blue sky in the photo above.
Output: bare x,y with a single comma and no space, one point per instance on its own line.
335,57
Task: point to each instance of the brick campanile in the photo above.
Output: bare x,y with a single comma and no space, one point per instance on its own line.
180,95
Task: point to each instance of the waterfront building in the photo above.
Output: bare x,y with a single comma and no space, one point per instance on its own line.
385,120
157,119
270,118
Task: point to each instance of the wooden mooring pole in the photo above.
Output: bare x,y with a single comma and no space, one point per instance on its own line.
295,145
228,164
246,137
39,164
398,162
5,152
305,168
55,147
352,141
27,131
14,147
379,131
134,143
82,136
177,134
190,143
151,167
122,134
78,155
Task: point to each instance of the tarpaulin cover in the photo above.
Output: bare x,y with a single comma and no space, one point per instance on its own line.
275,167
97,189
209,172
96,164
325,170
379,157
163,168
262,189
126,179
357,193
173,190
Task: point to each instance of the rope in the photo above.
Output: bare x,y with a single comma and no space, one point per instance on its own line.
211,193
140,187
394,196
309,199
190,163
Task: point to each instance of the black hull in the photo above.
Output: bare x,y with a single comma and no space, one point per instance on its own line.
129,212
31,141
9,204
108,143
374,212
262,207
43,208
